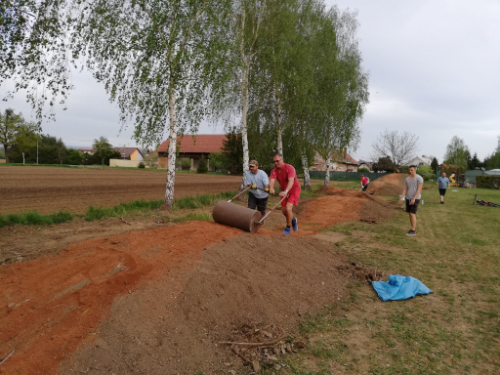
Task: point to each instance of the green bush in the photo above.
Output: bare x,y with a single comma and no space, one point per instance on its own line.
487,182
363,170
202,165
141,165
404,169
183,163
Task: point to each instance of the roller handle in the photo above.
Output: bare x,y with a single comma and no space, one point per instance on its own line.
267,214
237,195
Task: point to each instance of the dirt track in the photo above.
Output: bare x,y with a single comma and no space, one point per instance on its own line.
47,190
157,301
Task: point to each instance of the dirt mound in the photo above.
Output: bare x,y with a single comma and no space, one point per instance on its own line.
392,184
53,304
360,206
182,324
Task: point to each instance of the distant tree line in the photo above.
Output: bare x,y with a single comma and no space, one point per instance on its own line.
19,136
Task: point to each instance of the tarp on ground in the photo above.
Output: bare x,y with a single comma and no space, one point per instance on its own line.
399,288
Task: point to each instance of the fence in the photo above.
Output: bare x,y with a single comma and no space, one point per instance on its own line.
346,175
123,163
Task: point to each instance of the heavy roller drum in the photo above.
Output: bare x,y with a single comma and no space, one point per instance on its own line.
236,216
240,217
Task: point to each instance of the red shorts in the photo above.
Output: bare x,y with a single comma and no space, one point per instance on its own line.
293,198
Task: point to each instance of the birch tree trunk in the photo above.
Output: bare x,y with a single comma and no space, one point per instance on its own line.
307,178
278,125
327,168
172,153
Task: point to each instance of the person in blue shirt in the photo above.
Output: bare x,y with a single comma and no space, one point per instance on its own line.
443,182
259,186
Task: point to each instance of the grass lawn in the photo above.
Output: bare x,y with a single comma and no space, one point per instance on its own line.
455,330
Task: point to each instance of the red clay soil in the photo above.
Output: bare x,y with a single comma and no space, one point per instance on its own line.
392,184
51,305
54,305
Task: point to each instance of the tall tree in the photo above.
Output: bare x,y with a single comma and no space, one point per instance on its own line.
11,126
160,60
34,49
434,165
102,149
246,21
401,148
341,86
457,152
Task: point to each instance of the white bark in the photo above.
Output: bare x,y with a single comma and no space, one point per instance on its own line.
278,125
327,168
172,153
307,178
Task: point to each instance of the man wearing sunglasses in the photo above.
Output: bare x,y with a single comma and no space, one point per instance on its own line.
259,186
290,188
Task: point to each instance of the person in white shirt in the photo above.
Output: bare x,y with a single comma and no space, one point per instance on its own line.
259,186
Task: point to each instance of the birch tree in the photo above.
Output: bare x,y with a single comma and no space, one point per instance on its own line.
341,86
246,23
34,51
159,60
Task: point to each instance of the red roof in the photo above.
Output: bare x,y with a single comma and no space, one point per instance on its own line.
348,158
199,143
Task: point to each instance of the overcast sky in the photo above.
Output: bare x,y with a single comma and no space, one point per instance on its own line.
434,70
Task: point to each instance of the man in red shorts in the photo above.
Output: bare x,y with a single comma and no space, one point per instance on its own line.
290,188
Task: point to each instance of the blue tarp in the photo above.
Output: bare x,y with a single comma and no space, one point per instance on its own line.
399,288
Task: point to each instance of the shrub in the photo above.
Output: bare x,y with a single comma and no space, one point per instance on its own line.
141,165
183,163
404,169
487,182
363,170
202,165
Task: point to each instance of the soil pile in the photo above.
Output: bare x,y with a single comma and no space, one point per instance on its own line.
359,205
53,304
245,285
392,184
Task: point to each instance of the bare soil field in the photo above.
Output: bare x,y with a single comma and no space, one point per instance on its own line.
47,190
168,300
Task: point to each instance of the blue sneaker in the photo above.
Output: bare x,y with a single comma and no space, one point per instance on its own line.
287,231
295,226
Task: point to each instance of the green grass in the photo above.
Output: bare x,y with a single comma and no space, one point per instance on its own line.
455,330
34,218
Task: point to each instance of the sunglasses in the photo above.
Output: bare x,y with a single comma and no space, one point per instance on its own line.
276,161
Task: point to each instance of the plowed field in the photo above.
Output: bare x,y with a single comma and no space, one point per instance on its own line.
49,190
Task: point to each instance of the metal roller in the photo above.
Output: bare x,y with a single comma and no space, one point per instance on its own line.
236,216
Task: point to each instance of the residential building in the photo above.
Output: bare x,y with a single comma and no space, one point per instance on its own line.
192,147
130,153
345,163
424,160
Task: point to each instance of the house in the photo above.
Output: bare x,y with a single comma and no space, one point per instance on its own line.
366,164
424,160
88,151
192,147
346,163
129,153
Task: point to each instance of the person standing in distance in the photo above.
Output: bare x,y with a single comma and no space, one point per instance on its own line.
412,192
259,186
290,188
443,182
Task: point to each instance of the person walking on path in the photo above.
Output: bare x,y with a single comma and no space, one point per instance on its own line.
412,192
259,186
290,188
443,182
364,182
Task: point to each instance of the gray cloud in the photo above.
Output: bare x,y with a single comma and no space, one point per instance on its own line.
433,71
